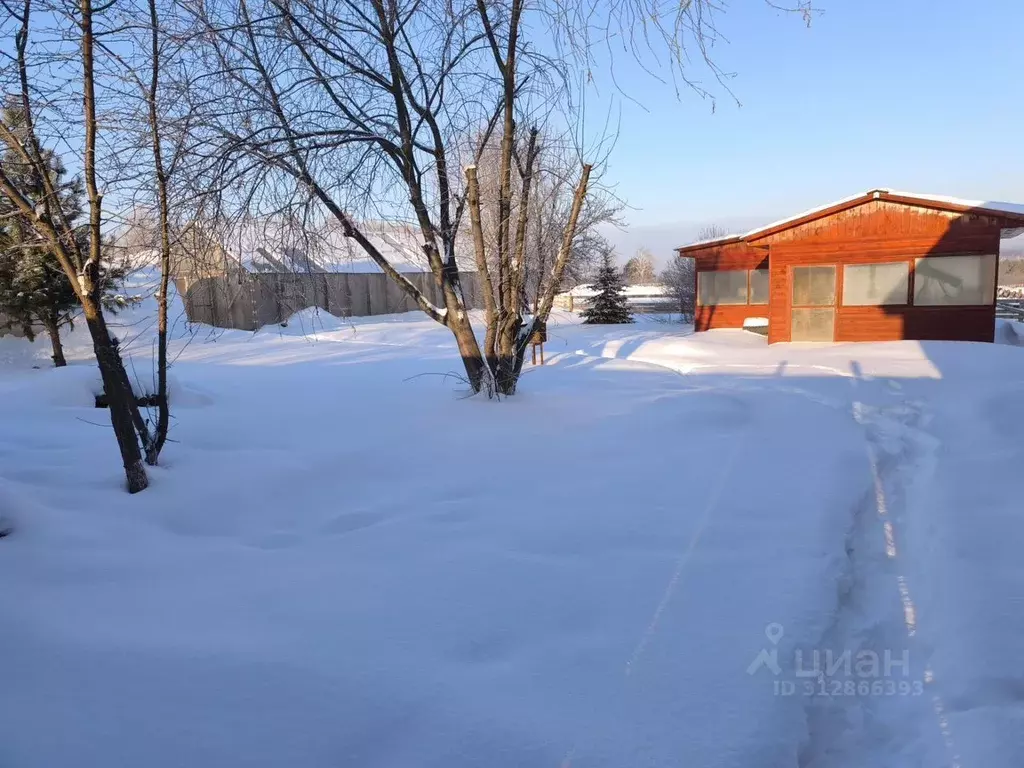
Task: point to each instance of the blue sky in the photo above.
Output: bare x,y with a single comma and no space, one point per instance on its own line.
917,95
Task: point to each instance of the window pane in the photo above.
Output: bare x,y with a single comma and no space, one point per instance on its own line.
759,286
954,280
705,287
814,286
874,284
722,287
813,324
731,287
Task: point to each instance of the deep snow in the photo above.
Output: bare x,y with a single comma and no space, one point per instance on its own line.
345,561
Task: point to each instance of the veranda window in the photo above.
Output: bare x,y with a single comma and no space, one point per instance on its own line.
954,280
876,284
722,287
814,286
759,286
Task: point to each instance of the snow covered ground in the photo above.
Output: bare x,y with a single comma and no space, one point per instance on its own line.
637,561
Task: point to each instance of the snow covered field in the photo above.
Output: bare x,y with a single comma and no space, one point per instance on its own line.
635,562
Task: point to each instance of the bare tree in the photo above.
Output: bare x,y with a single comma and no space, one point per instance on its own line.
711,232
349,110
551,198
145,47
340,105
48,82
155,442
639,270
278,134
420,79
680,275
680,278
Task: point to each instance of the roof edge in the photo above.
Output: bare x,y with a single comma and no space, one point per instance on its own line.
951,205
701,244
1012,215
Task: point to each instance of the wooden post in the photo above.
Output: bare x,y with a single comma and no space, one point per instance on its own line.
540,335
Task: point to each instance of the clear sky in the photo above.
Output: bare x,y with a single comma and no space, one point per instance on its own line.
916,95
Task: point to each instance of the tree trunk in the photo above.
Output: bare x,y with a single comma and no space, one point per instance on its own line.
159,437
469,349
120,398
155,443
505,373
53,331
486,287
514,337
511,359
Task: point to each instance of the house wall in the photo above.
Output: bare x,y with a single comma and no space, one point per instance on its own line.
877,232
724,258
726,315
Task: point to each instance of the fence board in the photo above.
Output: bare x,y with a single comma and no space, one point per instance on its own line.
249,301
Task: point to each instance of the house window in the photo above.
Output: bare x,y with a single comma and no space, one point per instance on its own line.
759,286
814,286
954,280
722,287
867,285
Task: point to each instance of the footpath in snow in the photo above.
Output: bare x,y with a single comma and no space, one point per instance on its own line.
636,561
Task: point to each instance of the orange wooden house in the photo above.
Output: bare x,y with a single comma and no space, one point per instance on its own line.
879,266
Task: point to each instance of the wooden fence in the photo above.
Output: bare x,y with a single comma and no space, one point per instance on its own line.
249,301
1010,309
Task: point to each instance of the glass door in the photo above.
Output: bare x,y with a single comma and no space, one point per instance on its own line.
814,303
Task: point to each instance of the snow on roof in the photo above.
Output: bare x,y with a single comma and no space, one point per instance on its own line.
1016,209
713,240
1012,208
809,212
989,205
271,248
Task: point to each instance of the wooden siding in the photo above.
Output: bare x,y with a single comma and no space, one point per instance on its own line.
721,258
879,232
881,222
870,323
779,297
951,324
726,315
921,323
724,258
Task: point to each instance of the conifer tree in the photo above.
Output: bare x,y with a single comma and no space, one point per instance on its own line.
35,293
610,306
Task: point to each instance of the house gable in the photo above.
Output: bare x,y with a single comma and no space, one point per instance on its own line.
872,222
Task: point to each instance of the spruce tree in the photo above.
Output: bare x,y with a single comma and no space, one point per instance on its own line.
610,306
34,290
